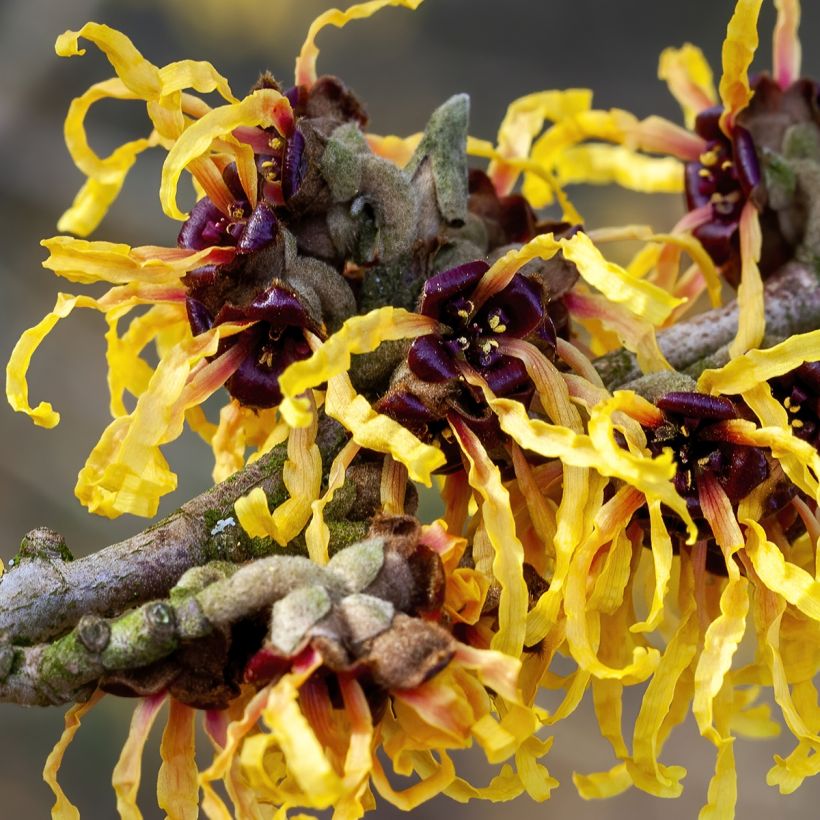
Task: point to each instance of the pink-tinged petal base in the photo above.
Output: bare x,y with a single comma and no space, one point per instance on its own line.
786,45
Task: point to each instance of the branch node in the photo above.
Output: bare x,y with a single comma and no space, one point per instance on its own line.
94,633
43,544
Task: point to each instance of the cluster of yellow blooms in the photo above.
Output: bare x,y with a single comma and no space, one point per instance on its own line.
592,490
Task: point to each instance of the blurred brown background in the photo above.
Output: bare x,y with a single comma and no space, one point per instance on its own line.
403,64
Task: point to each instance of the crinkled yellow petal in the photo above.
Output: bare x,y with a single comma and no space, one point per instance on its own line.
789,772
264,107
769,609
116,299
581,622
141,76
43,415
607,696
305,757
523,121
738,51
138,79
613,281
788,580
646,771
600,785
659,135
692,246
495,669
635,334
229,441
106,176
722,795
317,535
600,164
79,260
85,158
177,787
570,130
306,61
498,520
63,808
719,646
689,77
378,432
413,796
359,334
126,471
751,315
302,477
536,779
787,49
127,370
541,515
662,558
127,772
748,370
642,298
198,75
212,804
608,591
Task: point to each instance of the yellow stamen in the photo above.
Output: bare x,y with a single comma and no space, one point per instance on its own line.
708,157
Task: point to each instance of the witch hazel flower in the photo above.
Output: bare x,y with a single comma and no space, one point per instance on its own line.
431,386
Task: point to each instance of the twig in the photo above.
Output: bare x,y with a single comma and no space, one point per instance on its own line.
43,595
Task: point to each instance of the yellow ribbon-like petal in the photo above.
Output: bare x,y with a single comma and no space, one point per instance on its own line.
139,75
126,472
43,414
642,298
523,121
738,51
302,477
689,77
397,149
788,580
786,45
81,261
306,61
128,771
600,164
137,78
498,521
755,366
177,786
359,334
317,535
751,309
378,432
63,808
